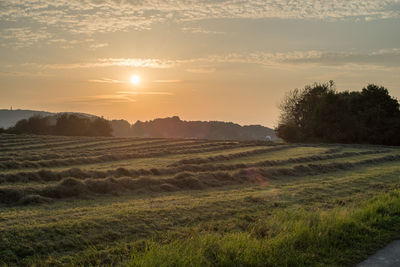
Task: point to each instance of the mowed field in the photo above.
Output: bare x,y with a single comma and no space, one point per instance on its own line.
169,202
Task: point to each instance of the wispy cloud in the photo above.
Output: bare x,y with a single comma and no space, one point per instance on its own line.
113,98
25,74
201,70
200,30
98,99
108,99
98,45
167,81
111,62
143,93
389,58
24,36
384,58
48,18
106,80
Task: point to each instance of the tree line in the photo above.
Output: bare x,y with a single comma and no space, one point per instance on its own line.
174,127
319,113
64,124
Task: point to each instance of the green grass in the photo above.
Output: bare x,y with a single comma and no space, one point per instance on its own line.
290,238
333,217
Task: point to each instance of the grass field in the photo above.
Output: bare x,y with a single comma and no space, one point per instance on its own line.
157,202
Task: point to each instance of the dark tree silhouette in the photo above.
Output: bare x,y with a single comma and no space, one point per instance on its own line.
72,125
174,127
100,127
64,124
33,125
319,113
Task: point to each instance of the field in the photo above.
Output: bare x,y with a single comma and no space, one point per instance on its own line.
166,202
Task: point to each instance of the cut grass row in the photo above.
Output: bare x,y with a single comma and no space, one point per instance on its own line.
71,187
107,161
47,175
106,169
50,144
67,145
82,151
109,229
12,139
247,209
140,152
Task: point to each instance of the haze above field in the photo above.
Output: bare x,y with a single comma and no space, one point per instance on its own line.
213,60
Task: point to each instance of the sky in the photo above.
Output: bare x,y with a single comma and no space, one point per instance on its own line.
201,60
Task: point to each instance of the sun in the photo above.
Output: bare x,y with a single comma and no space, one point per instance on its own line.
135,79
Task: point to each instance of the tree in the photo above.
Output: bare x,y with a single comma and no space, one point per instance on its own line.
64,124
71,125
299,118
320,113
34,125
100,127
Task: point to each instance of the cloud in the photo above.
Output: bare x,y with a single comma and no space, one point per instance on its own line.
24,74
98,45
111,62
117,98
389,58
200,30
108,99
48,19
201,70
98,99
106,80
166,81
143,93
25,36
383,58
386,57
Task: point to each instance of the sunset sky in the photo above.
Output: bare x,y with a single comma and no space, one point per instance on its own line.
201,60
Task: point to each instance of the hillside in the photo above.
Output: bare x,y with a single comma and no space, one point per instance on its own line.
100,201
9,117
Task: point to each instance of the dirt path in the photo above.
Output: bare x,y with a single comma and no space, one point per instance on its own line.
388,256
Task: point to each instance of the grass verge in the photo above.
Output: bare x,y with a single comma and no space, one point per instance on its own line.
293,238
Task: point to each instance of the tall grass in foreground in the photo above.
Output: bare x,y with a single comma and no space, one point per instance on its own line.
298,238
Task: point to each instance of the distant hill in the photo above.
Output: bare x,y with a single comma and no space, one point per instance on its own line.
9,117
174,127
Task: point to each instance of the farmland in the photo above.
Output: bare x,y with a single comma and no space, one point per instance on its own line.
171,202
